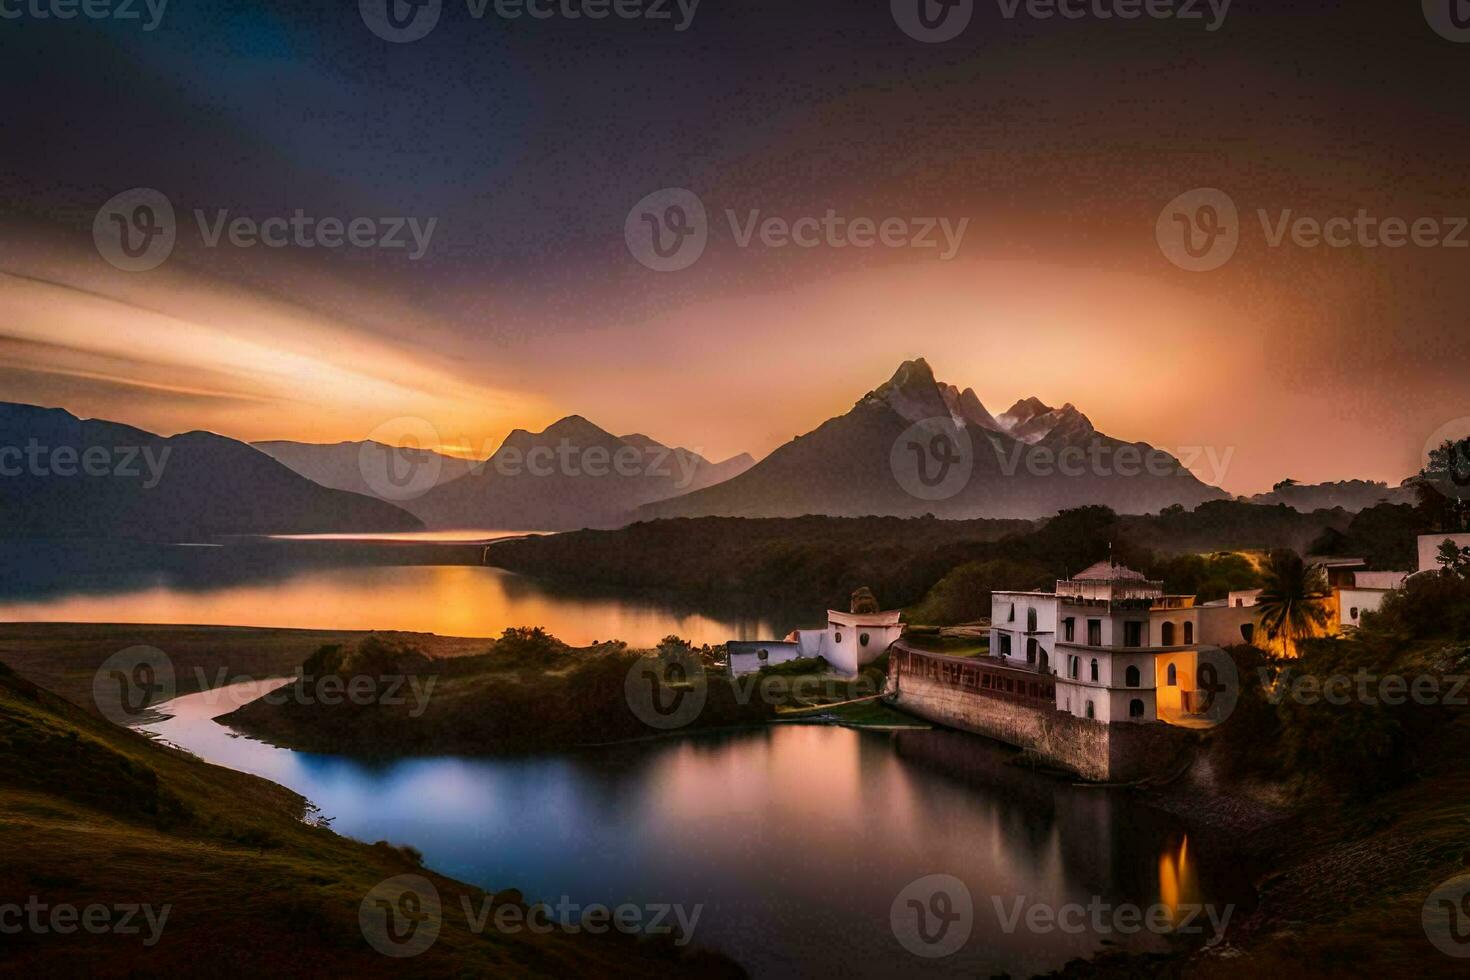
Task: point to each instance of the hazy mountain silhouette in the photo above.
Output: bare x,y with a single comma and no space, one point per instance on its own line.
1352,495
62,475
340,465
844,467
573,474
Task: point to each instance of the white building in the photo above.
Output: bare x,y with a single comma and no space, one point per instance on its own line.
851,639
1119,649
1355,590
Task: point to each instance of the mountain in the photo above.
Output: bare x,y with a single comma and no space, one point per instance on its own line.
68,476
358,466
1028,462
573,474
1350,495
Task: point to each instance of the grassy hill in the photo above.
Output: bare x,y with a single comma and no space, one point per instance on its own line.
92,813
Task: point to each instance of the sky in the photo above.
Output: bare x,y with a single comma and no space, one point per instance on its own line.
1059,145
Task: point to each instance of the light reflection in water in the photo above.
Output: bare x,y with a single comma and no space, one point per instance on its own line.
794,839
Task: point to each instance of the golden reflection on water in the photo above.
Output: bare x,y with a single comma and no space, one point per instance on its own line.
452,600
1178,883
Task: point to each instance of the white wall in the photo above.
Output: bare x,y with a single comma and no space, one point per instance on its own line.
1429,548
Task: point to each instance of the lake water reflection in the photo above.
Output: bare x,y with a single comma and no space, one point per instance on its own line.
795,839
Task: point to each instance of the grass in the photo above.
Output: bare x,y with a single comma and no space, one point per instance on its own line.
93,813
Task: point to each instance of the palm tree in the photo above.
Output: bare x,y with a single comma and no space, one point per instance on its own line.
1293,602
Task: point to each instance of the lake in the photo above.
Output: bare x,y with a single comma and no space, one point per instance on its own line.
411,582
795,841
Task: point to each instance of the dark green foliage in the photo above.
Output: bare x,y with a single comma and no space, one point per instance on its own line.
1384,535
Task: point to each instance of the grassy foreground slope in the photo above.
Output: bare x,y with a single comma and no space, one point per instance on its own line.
93,813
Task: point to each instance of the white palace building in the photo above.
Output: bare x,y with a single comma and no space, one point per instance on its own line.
1119,650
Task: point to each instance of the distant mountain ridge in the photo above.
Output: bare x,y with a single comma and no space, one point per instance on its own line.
1352,495
340,465
63,475
845,467
571,475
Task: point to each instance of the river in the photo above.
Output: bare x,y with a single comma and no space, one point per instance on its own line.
795,842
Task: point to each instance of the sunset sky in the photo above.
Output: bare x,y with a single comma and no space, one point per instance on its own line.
528,142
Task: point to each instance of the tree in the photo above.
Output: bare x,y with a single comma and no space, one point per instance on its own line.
1293,602
1454,559
1442,486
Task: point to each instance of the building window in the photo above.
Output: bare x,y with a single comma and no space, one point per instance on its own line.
1189,634
1130,677
1069,628
1135,708
1355,612
1031,651
1012,617
763,655
1094,632
1094,669
1090,712
1167,635
1031,620
863,639
1248,632
1173,676
1132,634
1005,644
837,638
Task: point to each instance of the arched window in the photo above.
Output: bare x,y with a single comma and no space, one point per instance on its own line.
1248,632
1355,612
1189,634
1167,637
863,639
1090,712
1173,676
1130,676
1135,708
1031,620
1094,670
836,637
